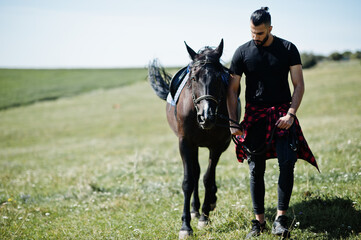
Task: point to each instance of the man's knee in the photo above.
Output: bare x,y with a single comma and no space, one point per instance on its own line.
287,166
257,169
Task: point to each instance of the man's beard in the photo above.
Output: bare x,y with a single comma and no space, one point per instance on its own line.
259,43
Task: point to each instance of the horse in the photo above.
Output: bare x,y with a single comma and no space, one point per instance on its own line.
198,121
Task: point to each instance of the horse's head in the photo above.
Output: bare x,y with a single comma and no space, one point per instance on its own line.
206,83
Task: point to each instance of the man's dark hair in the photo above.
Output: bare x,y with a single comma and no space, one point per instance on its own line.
261,16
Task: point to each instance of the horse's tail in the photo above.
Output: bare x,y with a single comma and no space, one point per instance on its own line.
159,79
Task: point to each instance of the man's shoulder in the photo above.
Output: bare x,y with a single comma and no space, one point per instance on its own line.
287,47
245,46
244,49
283,42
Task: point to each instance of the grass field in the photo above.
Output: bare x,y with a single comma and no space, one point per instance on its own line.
26,86
105,165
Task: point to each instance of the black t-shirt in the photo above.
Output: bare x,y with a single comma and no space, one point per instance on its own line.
266,70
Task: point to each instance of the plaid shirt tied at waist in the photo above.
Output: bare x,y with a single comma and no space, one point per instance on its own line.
255,113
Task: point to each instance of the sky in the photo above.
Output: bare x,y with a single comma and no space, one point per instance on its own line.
118,33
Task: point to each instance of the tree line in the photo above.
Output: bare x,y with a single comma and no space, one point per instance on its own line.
309,59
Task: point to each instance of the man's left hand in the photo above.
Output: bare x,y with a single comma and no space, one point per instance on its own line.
285,122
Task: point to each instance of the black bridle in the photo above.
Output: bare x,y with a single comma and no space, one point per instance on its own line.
196,101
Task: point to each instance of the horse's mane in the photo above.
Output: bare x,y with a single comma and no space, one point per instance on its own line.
209,55
205,49
208,52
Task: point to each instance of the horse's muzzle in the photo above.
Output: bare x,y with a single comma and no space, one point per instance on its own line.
207,118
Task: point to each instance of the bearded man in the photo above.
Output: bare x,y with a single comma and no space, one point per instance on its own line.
266,61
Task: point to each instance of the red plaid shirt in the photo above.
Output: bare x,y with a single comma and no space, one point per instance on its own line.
254,113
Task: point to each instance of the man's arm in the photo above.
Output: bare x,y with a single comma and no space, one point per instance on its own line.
232,102
299,88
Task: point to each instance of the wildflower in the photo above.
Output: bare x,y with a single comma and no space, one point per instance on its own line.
47,214
5,217
137,231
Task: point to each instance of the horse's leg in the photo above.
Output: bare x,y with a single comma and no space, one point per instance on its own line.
189,154
210,186
195,202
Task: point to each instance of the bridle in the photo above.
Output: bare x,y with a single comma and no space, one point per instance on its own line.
196,101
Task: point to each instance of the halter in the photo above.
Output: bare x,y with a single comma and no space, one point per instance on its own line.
202,63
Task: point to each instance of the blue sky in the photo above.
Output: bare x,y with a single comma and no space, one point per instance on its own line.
110,33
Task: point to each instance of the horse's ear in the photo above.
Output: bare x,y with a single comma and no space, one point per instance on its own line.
191,52
219,49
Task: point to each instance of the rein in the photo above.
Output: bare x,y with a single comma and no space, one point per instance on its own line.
260,150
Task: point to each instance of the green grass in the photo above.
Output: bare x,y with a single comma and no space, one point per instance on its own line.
105,165
25,86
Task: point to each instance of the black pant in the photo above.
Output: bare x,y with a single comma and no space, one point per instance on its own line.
286,161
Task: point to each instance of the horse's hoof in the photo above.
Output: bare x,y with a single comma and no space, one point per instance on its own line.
195,215
202,224
183,234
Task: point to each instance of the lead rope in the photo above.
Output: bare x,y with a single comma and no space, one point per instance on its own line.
261,150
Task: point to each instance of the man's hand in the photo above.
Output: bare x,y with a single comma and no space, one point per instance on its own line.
285,122
236,131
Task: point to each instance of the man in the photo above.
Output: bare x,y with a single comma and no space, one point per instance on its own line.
266,61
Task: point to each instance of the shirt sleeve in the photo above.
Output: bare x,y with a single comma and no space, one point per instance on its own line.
294,58
237,66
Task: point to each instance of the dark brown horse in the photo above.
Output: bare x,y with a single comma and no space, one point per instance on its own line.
196,120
